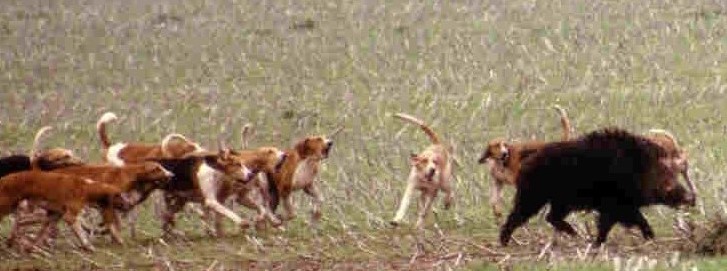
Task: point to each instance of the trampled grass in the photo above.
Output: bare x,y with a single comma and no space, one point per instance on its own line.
475,70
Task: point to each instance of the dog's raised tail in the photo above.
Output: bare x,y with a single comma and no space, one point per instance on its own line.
36,141
168,139
564,121
101,128
432,136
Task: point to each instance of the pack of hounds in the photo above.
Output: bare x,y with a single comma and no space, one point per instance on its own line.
610,171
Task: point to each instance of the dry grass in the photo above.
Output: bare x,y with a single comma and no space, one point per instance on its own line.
473,69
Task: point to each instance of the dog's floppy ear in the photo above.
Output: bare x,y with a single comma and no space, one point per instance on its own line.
302,146
414,159
212,160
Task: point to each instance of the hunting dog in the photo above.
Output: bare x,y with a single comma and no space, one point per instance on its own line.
201,177
134,178
253,194
119,154
610,171
65,196
43,160
300,171
173,145
504,159
431,172
264,161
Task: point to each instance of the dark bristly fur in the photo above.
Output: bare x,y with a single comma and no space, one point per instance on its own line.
610,171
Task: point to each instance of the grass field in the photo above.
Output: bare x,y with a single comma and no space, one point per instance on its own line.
475,70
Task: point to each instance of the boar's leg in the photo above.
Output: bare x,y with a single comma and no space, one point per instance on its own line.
636,218
556,217
605,224
525,207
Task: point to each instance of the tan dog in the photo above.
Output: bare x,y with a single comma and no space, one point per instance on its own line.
431,172
253,194
172,146
127,178
503,160
65,195
300,171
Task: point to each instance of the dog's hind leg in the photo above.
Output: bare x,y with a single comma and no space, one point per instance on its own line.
51,219
406,199
172,205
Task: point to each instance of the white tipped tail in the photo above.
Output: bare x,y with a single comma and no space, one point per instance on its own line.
36,140
101,128
170,137
564,121
432,136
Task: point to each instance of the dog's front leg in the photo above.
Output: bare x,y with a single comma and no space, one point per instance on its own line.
406,199
288,206
427,198
496,197
112,222
317,200
220,209
132,216
210,189
71,219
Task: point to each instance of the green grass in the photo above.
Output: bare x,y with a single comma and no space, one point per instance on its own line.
474,70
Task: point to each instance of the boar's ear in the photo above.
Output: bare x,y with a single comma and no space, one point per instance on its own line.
681,161
669,163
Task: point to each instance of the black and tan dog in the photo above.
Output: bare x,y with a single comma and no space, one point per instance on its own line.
504,158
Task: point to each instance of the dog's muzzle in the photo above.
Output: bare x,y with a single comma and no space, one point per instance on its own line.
430,174
329,145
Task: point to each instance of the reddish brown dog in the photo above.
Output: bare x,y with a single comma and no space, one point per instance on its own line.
65,196
138,178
